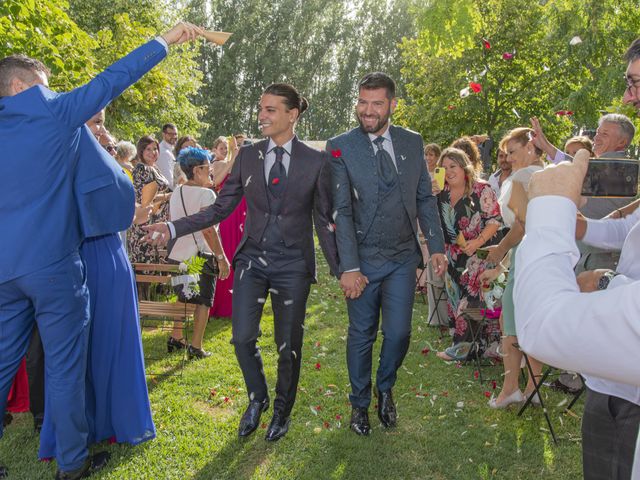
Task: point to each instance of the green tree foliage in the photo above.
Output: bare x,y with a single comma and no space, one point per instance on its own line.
546,73
42,29
322,47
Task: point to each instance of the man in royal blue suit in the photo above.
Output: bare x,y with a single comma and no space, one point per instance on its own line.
381,190
59,187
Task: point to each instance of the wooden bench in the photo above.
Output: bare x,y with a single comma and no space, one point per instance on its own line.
155,314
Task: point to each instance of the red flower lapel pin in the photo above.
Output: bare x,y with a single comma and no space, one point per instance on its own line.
275,181
337,153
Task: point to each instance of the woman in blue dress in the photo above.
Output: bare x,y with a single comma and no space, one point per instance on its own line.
117,399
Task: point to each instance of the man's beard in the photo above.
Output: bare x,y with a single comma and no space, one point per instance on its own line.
382,121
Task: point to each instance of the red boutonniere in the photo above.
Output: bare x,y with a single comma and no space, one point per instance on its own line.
336,153
275,181
475,87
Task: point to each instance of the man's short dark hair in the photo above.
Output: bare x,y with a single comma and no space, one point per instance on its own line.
633,52
168,126
20,66
375,80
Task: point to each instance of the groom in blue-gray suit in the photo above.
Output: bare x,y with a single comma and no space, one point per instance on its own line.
59,187
381,191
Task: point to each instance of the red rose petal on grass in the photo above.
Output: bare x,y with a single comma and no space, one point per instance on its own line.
213,392
317,366
486,43
317,408
226,399
487,394
507,56
263,425
336,153
275,181
476,374
445,394
493,384
46,459
112,440
338,417
317,344
476,87
569,112
425,351
451,107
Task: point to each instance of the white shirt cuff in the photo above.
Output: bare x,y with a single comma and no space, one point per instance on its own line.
172,229
352,270
163,42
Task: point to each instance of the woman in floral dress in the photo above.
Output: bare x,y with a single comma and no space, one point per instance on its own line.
151,189
470,216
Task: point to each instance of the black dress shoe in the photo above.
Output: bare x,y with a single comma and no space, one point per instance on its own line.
386,409
278,427
360,421
91,465
251,418
38,420
3,472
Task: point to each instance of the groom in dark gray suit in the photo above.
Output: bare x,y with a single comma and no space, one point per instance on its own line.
381,191
286,185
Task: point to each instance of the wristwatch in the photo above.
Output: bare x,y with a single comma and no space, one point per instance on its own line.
605,279
220,257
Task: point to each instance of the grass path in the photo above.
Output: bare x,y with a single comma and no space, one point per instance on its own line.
445,429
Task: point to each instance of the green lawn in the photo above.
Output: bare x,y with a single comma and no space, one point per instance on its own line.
445,429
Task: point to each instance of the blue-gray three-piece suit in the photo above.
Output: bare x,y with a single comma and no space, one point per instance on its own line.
376,233
59,187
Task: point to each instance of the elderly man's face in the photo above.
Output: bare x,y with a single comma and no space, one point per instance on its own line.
609,138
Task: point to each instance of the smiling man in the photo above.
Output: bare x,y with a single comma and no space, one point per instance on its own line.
286,184
381,190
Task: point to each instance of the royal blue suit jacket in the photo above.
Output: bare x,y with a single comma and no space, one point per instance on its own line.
355,190
58,185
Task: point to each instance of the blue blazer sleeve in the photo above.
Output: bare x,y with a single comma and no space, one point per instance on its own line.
74,108
428,213
345,226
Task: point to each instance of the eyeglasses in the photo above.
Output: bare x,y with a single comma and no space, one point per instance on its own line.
110,148
631,83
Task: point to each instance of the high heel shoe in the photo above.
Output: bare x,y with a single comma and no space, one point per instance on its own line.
175,343
197,352
515,397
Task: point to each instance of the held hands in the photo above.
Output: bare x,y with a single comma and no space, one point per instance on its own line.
158,234
352,284
496,254
564,179
182,32
439,262
471,246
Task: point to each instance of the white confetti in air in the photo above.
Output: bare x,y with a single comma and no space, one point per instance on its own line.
313,410
355,193
460,405
295,355
241,227
465,92
334,215
330,228
249,266
575,41
483,72
241,274
262,261
231,291
252,396
274,291
515,112
288,302
262,300
247,182
337,186
545,68
282,347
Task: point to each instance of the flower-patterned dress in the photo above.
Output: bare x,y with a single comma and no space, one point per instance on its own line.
468,216
139,250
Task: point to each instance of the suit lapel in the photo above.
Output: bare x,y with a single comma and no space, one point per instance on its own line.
398,148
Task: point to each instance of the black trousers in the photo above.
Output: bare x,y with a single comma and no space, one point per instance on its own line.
288,286
609,433
35,373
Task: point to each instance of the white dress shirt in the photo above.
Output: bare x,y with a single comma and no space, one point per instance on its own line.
387,145
617,234
166,162
593,333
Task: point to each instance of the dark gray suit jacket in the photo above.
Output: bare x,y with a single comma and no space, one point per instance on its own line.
306,201
355,190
